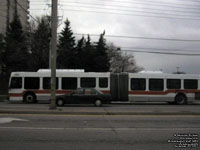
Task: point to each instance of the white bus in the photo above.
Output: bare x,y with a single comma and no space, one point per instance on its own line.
159,87
130,87
33,86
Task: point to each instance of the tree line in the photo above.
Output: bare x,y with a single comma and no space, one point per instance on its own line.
29,51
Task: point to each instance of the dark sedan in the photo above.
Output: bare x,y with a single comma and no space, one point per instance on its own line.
84,96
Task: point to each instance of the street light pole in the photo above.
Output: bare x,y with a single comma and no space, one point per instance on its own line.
53,53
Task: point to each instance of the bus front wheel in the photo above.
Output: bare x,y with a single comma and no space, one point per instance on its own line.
29,98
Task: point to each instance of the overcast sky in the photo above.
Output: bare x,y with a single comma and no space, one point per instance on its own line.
171,26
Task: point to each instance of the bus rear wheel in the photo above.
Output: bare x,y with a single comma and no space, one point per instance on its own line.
29,98
181,99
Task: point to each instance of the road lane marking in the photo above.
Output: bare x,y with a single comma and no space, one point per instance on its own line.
8,120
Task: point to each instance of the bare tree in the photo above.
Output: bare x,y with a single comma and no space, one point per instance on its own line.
121,62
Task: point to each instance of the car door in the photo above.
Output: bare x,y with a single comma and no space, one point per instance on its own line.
76,96
88,96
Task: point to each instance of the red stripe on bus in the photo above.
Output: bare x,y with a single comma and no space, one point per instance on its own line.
47,92
161,92
106,92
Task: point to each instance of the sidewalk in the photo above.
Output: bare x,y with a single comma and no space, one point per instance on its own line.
111,109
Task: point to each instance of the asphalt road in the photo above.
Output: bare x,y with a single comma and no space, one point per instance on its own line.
113,109
99,132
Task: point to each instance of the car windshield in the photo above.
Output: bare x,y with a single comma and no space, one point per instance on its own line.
77,91
86,91
99,92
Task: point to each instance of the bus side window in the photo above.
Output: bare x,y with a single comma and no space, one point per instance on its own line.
190,84
156,85
47,83
69,83
16,83
138,84
88,82
173,83
103,82
31,82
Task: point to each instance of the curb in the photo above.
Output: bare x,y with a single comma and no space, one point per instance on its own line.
60,112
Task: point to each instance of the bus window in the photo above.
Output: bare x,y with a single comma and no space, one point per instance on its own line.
138,84
31,83
156,85
69,83
47,83
103,82
173,83
16,83
88,82
190,84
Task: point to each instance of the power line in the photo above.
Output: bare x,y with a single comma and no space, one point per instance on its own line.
168,3
158,49
197,1
154,9
128,7
169,6
26,11
163,53
38,4
132,2
145,38
120,6
149,12
135,15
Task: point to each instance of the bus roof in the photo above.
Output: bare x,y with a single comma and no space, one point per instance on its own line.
59,74
164,75
62,70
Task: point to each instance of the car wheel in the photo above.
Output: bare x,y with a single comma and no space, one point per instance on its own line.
29,98
181,99
60,102
98,103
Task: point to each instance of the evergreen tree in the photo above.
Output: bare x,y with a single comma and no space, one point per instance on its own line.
16,54
40,44
102,59
89,55
66,48
80,64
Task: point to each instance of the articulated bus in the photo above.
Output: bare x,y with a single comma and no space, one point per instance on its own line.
130,87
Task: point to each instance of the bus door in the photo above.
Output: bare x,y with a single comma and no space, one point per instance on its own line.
119,86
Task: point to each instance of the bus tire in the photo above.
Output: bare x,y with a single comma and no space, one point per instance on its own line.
29,97
98,103
60,102
181,99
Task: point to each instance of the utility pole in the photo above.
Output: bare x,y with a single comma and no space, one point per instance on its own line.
53,53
